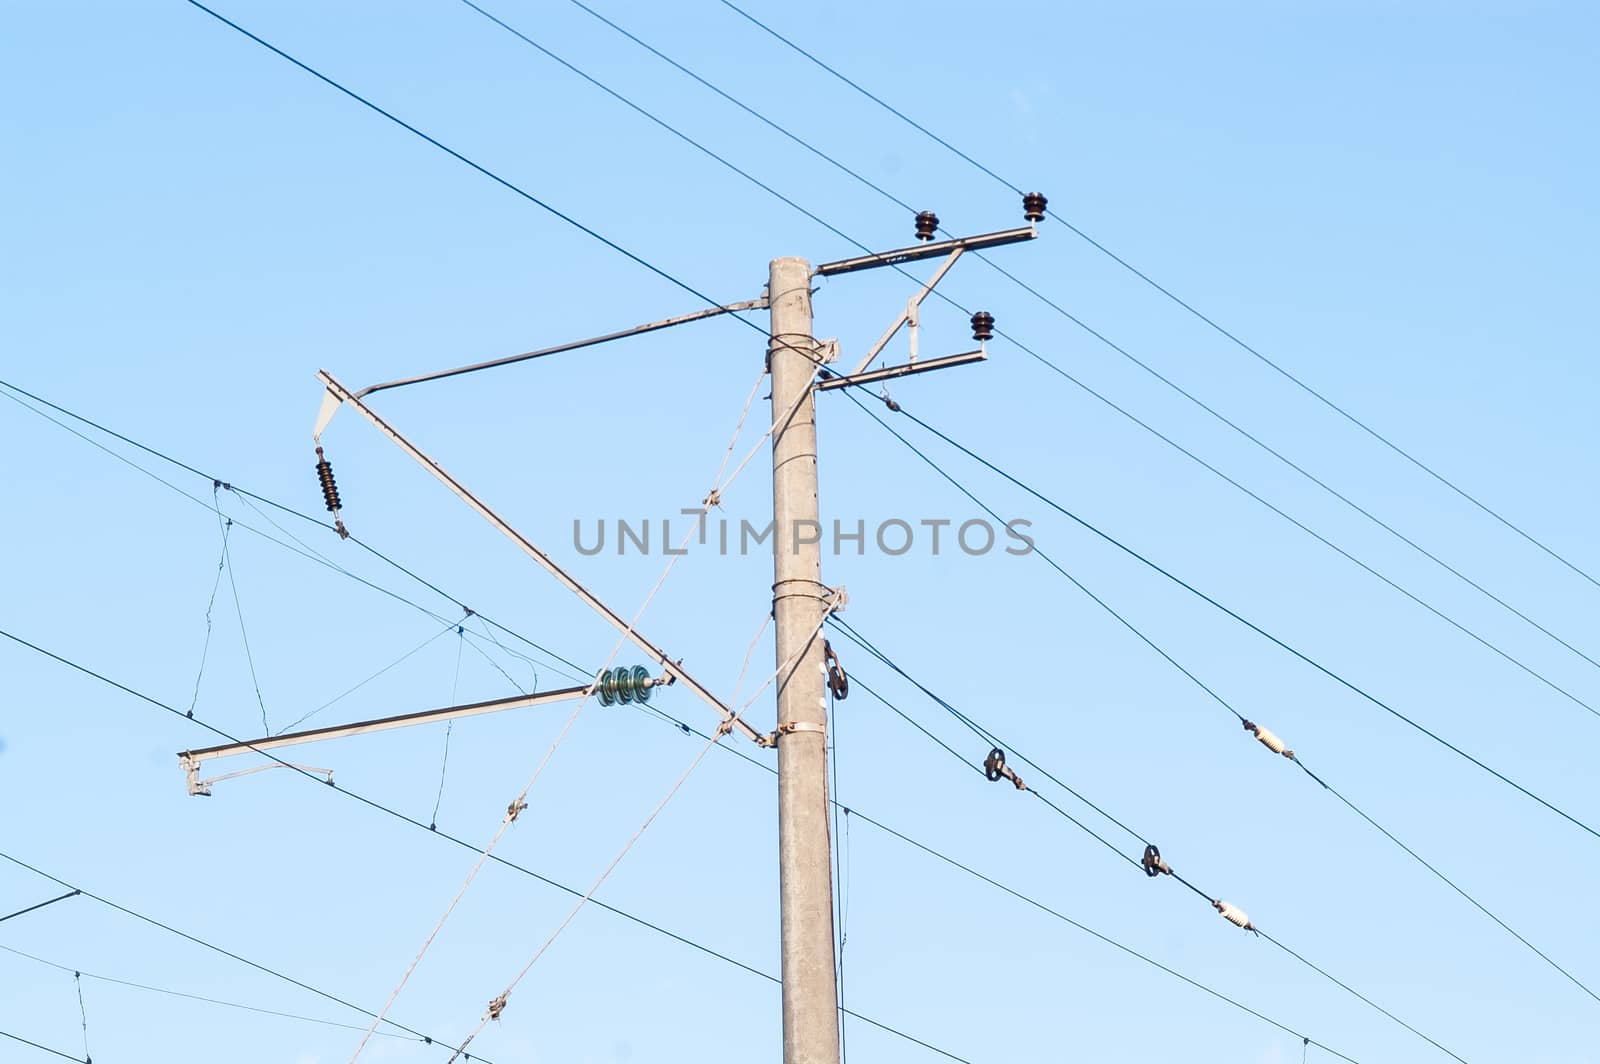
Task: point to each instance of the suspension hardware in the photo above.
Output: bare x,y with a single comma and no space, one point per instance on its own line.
996,769
1154,863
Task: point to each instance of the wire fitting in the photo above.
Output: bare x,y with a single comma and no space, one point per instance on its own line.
996,769
514,810
1154,864
1269,740
1233,915
498,1005
838,682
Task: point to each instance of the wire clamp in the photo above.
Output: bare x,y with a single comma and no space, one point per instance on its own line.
497,1006
1154,863
514,810
1269,740
996,769
838,682
713,498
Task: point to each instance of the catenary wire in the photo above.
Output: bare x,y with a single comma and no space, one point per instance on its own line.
1098,335
42,1048
1205,895
172,930
1298,762
250,498
414,822
485,171
851,811
1347,684
169,992
1190,308
40,905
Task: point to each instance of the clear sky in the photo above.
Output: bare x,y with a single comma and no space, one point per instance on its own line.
1395,202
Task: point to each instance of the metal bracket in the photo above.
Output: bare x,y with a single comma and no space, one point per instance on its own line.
911,315
202,788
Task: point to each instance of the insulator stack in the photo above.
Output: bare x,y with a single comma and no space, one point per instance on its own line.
1269,740
1154,864
1033,204
330,490
624,685
996,769
1233,915
927,225
983,326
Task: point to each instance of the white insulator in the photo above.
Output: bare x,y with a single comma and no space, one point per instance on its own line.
1272,742
1233,915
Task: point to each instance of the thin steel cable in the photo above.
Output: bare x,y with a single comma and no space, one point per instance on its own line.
837,850
223,524
1209,897
977,729
170,929
1052,304
169,992
572,914
205,645
435,637
485,171
461,640
41,905
1446,880
867,646
83,1013
856,681
453,839
1125,264
1360,996
1352,687
42,1048
688,729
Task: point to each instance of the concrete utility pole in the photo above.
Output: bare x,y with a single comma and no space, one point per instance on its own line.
810,1003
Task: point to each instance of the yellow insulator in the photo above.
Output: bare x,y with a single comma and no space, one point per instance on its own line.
1233,915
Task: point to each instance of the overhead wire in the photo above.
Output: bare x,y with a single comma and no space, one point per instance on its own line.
459,157
447,836
1031,352
851,811
42,1048
40,905
1297,760
83,1013
169,992
1213,899
1307,659
194,939
223,525
1190,308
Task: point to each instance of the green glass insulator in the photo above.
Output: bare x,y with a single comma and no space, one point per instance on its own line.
641,683
606,689
624,684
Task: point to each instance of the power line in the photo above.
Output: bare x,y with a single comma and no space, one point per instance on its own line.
485,171
1202,894
170,929
46,1049
1053,366
396,814
169,992
1299,763
41,905
250,498
1125,264
851,811
1352,687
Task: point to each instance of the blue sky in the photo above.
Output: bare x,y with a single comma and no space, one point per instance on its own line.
1394,202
